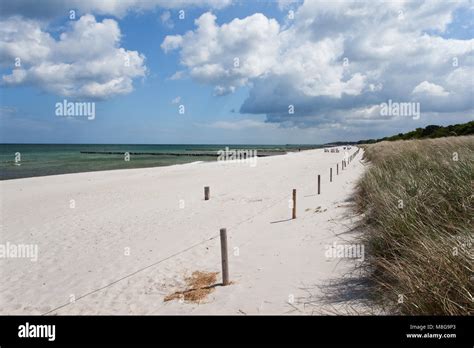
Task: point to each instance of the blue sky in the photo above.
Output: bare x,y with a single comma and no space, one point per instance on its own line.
402,51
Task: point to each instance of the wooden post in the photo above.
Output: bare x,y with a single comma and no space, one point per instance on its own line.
337,169
206,193
319,184
294,204
224,258
330,174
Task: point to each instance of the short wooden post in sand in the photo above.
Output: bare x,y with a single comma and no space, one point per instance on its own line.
330,174
319,184
294,204
337,169
206,193
224,258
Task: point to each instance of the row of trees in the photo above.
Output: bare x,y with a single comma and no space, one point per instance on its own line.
431,131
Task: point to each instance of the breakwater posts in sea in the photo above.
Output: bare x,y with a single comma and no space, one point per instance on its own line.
196,154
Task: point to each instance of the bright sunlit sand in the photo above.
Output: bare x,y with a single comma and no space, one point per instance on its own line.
120,242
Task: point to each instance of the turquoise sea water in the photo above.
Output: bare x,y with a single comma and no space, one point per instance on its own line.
51,159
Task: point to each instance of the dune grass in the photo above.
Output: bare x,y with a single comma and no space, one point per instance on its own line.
417,201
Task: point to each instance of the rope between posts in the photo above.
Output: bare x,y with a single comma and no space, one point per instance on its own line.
158,262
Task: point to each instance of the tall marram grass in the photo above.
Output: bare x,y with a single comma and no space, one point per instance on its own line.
417,203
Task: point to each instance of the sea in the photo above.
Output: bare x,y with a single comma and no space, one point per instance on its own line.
30,160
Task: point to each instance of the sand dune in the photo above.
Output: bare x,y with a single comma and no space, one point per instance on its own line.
118,242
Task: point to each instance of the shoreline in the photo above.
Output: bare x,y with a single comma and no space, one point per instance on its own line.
141,156
104,171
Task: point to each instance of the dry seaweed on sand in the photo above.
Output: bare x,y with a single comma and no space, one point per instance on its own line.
199,286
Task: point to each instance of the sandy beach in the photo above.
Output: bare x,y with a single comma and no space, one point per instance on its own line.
119,242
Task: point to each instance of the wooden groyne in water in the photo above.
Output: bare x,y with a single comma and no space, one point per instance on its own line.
207,154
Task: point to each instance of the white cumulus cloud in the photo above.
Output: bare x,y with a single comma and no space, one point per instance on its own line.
227,56
433,89
86,61
334,59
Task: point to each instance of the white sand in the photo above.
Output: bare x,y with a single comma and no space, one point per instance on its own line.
279,266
